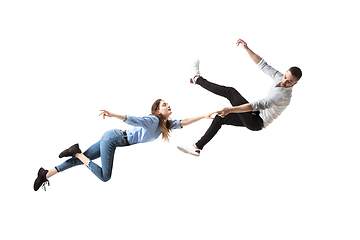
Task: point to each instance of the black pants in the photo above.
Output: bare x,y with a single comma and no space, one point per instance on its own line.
250,120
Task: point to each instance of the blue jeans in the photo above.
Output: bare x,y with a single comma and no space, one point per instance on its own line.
105,148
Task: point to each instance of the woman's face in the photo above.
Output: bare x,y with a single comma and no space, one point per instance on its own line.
164,109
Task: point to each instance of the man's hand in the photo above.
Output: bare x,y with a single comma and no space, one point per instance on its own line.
247,107
256,58
242,42
225,111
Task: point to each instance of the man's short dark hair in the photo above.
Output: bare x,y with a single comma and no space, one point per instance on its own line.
296,72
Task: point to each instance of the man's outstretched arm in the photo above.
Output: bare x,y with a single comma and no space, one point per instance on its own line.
256,58
247,107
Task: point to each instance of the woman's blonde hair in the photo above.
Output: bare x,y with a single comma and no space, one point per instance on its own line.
165,124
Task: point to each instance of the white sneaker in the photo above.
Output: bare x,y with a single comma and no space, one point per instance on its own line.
190,150
194,72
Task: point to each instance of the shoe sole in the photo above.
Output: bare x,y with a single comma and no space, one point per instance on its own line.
37,180
197,73
184,150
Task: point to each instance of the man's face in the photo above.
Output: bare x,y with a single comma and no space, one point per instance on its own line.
288,80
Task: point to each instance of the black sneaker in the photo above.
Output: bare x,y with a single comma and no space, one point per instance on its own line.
41,180
71,151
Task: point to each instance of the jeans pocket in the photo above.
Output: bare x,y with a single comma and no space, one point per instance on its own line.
122,142
109,135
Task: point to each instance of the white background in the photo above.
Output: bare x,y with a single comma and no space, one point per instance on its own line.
63,61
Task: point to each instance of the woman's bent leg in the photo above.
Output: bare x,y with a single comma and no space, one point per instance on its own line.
51,173
72,162
107,158
92,153
108,144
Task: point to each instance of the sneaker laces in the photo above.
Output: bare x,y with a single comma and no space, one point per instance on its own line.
44,183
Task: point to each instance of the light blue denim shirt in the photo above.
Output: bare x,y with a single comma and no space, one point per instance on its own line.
146,129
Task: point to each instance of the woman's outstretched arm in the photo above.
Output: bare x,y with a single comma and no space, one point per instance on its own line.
105,113
188,121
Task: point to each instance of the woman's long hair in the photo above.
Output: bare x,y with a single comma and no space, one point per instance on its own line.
165,125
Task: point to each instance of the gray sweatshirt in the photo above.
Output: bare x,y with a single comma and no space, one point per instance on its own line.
276,100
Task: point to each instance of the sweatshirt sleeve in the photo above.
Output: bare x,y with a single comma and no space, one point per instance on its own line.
267,69
144,122
262,104
273,99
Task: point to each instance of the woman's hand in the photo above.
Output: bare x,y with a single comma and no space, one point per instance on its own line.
208,116
191,120
105,113
225,111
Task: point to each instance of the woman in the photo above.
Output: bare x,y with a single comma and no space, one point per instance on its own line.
146,129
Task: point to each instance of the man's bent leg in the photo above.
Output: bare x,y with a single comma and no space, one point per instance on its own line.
230,119
230,93
248,119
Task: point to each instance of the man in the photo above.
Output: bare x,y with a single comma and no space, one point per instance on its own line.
254,116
